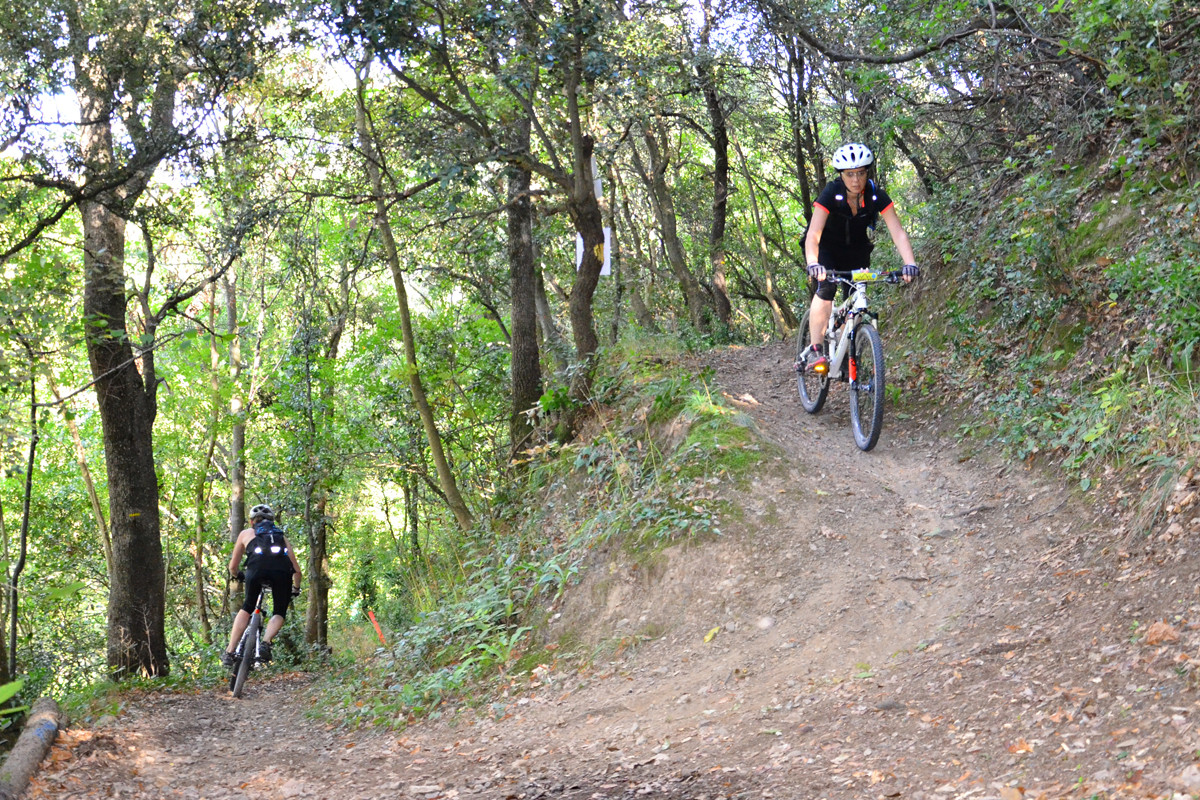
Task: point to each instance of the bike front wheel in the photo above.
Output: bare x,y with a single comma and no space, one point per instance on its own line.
814,388
247,648
866,387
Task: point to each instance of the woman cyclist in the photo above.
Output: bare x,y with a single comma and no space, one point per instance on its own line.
837,241
269,562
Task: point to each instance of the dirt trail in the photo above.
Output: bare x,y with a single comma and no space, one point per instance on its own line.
904,623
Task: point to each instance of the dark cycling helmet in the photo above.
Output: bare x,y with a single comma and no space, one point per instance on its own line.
852,156
263,512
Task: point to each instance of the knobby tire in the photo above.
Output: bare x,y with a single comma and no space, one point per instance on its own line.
814,388
248,648
866,391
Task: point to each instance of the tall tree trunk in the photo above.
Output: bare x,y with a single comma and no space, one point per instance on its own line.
86,473
584,210
804,145
412,518
316,627
5,672
716,232
446,480
924,172
316,619
126,397
198,546
720,147
615,240
23,548
556,345
214,366
237,411
526,360
663,204
785,320
136,600
641,313
237,435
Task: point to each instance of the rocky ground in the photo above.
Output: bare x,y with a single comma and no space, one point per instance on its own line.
921,621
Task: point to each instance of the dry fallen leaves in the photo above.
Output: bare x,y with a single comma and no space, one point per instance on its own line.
1161,632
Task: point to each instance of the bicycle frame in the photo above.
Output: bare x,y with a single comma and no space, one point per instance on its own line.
854,354
852,313
251,638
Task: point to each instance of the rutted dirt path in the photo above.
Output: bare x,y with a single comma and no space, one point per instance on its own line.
908,623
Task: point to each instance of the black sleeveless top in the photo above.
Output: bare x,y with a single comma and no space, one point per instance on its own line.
845,244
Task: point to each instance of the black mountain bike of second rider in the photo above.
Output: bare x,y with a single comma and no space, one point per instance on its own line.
248,652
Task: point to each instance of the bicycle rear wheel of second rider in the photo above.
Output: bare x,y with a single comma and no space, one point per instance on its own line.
247,648
814,388
866,387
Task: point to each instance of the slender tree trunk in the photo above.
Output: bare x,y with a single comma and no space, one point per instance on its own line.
804,145
214,366
198,545
584,209
411,517
720,147
316,627
641,313
5,672
446,478
716,233
237,412
663,205
86,473
556,345
316,619
923,170
526,360
614,218
237,435
14,579
785,320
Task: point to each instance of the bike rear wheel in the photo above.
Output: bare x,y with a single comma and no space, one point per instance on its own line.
866,387
247,650
814,388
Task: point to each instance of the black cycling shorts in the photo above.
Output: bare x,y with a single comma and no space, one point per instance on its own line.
280,582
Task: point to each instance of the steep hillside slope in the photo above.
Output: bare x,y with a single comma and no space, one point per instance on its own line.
910,622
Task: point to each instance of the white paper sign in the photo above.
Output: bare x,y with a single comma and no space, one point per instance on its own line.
607,268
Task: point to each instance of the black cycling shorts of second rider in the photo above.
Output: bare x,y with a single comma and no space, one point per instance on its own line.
280,582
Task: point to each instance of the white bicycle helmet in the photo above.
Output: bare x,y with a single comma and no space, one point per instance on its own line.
852,156
263,512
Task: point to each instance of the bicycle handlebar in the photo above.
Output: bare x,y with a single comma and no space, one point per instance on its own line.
866,276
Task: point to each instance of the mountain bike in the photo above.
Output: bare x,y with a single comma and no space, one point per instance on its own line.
247,654
855,354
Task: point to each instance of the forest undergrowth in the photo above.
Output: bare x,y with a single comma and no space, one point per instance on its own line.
1062,328
640,477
